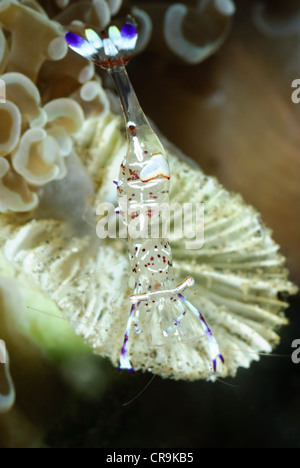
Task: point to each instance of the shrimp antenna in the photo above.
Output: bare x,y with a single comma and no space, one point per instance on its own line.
141,392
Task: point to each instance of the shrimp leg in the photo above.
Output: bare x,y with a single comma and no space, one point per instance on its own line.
213,345
124,359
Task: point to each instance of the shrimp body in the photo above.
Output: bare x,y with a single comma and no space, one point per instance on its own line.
158,307
143,187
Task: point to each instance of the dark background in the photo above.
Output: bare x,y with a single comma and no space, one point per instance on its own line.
259,408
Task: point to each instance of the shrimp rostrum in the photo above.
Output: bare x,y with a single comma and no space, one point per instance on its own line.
158,305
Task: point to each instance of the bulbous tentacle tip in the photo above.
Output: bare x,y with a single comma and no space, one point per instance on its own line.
80,45
73,39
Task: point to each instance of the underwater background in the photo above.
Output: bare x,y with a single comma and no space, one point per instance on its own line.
233,114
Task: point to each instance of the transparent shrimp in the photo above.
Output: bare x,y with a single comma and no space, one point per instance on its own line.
158,307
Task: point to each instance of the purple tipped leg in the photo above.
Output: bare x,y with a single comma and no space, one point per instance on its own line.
124,359
215,361
213,345
214,350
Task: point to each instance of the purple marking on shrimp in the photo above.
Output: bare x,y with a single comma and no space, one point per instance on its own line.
74,40
203,320
128,31
124,350
124,361
115,182
213,345
120,369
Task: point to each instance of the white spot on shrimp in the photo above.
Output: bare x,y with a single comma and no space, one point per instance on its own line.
156,167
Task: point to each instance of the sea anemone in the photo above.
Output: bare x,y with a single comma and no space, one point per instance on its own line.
38,119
